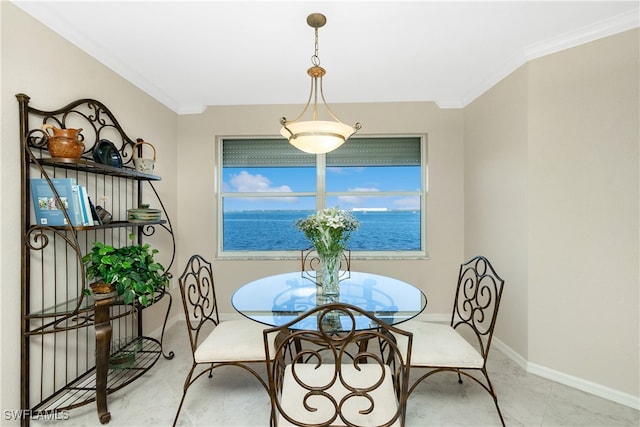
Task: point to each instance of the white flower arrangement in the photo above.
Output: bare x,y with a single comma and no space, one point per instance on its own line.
328,230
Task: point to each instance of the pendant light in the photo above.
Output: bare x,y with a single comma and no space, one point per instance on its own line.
316,136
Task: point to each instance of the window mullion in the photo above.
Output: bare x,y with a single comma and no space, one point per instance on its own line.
321,179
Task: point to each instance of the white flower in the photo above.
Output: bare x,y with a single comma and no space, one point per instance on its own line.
329,229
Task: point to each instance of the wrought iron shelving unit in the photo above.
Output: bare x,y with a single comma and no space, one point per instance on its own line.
71,343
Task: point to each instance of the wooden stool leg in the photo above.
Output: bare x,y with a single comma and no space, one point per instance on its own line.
103,345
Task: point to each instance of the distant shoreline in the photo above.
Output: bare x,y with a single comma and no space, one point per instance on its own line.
312,210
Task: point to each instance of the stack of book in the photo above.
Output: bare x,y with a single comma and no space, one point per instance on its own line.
73,199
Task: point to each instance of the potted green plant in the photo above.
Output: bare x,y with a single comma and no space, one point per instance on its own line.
131,269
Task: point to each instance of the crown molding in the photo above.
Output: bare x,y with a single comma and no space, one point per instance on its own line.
586,34
604,28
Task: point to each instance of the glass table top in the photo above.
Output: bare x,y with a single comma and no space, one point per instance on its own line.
277,300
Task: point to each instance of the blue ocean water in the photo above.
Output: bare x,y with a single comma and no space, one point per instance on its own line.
276,230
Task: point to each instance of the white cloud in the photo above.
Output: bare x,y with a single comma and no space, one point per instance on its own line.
248,183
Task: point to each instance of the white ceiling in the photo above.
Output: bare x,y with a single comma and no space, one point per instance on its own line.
190,54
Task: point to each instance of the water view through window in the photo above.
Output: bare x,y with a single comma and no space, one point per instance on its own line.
380,230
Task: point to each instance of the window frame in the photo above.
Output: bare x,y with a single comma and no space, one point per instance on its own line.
321,195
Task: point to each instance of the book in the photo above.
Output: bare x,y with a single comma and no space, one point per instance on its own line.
94,212
86,208
81,214
48,209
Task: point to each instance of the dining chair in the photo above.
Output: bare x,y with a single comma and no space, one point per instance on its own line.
311,263
337,373
214,344
438,347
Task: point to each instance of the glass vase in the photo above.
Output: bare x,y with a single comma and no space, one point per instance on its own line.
330,273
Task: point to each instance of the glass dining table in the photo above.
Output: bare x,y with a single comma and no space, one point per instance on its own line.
279,299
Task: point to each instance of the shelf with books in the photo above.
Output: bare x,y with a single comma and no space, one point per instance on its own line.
56,201
59,224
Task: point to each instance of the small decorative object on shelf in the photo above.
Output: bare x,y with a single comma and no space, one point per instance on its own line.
123,354
104,216
131,269
143,214
103,290
329,231
143,164
106,153
64,143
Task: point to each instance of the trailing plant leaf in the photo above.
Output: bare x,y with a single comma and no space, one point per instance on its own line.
131,269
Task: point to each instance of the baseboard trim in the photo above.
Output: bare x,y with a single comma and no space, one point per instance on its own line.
569,380
586,386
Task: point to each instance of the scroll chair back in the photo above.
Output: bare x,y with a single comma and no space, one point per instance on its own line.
439,347
311,263
332,373
213,343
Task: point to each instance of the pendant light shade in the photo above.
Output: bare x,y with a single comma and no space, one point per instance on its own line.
316,136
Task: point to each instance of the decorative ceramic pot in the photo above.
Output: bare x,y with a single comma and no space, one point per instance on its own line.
102,290
142,164
64,143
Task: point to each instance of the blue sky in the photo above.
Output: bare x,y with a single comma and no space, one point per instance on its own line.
286,180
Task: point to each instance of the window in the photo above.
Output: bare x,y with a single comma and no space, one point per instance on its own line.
267,184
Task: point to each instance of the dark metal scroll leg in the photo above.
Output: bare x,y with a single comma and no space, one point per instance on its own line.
171,354
103,344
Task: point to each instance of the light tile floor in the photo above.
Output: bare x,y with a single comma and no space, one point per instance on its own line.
233,398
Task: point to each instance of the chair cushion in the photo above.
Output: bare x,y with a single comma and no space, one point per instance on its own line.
439,345
233,341
384,396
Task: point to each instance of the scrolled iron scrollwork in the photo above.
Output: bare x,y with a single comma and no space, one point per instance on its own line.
477,298
93,115
38,239
98,108
148,230
198,291
320,362
37,138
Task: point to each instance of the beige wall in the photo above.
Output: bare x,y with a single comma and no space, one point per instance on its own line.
583,209
495,180
196,163
551,192
53,72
